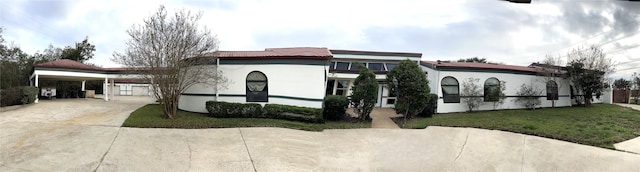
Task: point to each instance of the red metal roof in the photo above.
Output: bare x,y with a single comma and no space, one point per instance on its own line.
68,64
294,52
488,66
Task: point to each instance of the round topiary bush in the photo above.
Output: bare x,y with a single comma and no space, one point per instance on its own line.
334,107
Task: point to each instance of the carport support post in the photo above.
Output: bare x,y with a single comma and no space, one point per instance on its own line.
36,85
106,89
112,92
83,83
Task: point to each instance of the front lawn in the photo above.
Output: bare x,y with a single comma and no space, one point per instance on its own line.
151,116
601,125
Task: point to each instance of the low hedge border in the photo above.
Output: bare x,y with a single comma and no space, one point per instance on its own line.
253,110
295,113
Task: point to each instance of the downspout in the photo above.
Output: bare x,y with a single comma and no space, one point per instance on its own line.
217,68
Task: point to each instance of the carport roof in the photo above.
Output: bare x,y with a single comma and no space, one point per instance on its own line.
68,64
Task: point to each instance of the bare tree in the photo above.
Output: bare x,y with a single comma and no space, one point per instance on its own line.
169,52
471,93
552,71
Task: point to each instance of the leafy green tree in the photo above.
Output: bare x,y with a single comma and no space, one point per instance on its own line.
82,52
364,93
471,93
587,69
621,83
412,88
474,60
16,65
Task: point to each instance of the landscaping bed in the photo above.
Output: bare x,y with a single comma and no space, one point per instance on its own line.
151,116
601,125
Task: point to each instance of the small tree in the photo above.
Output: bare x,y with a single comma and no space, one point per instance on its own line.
529,96
621,83
411,86
474,60
587,69
364,93
167,47
635,84
471,93
496,95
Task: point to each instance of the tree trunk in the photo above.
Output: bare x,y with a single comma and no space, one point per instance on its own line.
170,107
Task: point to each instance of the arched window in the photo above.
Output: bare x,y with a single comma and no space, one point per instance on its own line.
257,87
552,90
491,90
450,90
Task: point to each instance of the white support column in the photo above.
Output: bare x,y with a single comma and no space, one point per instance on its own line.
36,85
112,92
105,91
83,84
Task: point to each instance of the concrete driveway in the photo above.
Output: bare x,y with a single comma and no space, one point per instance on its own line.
75,135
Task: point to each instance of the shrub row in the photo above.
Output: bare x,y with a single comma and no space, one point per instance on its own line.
252,110
296,113
18,95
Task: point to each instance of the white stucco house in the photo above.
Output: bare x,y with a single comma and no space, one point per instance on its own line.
303,76
446,79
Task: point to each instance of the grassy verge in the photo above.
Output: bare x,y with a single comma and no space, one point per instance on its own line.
151,116
601,125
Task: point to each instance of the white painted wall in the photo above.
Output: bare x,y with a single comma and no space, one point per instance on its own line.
513,83
291,80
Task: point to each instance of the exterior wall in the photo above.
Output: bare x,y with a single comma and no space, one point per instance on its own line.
513,83
141,90
383,90
289,84
432,76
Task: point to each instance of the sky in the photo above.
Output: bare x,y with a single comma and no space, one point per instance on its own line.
502,32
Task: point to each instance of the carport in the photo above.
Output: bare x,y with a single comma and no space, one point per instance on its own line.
70,70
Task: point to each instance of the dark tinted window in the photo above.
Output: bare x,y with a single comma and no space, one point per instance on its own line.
342,65
376,66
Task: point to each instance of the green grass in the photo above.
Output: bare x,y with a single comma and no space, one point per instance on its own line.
601,125
151,116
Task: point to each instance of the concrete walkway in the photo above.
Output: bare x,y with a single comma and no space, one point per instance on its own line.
380,117
632,145
78,135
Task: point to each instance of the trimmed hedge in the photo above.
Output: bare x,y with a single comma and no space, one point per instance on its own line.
18,95
295,113
253,110
335,107
234,110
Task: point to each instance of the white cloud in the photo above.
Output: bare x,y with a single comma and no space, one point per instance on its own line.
468,28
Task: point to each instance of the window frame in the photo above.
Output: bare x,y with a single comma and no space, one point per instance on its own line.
447,98
552,90
257,96
487,88
339,62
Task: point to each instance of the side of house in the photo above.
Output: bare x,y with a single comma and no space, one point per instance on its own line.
290,76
